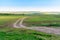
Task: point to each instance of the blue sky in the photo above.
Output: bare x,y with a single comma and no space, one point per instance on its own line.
29,4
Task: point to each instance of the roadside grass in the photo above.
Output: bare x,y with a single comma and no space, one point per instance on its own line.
45,20
6,19
25,34
10,33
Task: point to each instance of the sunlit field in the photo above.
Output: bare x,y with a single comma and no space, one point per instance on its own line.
24,34
5,19
43,20
7,32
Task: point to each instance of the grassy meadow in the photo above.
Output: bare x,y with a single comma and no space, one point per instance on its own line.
43,20
25,34
5,19
7,32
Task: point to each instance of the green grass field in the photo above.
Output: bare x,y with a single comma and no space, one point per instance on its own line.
10,33
24,34
5,19
44,20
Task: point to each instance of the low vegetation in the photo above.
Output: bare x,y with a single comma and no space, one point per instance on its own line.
10,33
25,34
6,19
44,20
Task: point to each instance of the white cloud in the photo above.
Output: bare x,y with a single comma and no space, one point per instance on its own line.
46,9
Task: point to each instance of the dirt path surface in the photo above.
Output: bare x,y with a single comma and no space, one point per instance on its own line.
19,24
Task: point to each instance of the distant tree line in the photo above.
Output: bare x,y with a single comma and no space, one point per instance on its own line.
22,14
7,14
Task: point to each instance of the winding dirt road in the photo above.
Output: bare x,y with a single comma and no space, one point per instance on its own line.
19,24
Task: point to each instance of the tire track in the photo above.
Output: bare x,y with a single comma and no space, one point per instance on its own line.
19,24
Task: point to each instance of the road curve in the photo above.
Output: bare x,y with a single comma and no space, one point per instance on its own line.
19,24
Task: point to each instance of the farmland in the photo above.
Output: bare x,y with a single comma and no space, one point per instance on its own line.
7,32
